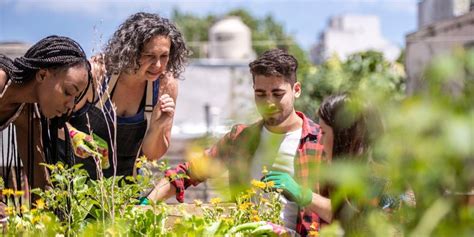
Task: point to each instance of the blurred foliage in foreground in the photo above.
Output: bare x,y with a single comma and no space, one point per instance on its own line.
77,206
427,147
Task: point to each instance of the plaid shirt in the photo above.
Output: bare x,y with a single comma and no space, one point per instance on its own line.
237,148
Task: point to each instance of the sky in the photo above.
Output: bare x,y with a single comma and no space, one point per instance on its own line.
92,22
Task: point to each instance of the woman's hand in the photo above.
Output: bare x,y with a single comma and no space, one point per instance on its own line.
164,109
157,138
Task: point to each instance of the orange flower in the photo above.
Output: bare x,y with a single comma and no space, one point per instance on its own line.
255,218
314,226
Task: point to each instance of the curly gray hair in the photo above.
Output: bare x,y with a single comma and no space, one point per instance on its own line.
123,51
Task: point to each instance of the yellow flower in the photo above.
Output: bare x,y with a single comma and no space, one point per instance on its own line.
215,201
314,226
313,233
23,209
264,170
229,221
9,210
40,204
244,206
255,218
245,196
45,219
200,163
270,184
139,164
251,191
19,193
258,184
197,202
8,192
36,219
60,166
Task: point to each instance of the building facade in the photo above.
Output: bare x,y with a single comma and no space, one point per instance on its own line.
435,38
362,31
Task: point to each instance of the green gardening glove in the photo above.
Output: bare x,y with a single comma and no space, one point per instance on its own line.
144,201
291,189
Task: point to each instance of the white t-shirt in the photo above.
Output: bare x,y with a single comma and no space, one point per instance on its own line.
277,152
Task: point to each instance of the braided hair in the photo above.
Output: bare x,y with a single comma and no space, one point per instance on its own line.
53,52
6,64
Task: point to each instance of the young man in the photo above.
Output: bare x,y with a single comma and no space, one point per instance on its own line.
284,140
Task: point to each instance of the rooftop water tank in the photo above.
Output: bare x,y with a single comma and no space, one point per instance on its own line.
230,38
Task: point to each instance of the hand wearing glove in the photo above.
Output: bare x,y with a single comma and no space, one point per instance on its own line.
143,201
291,189
85,145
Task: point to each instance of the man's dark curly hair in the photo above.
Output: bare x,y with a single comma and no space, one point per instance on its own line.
123,51
275,62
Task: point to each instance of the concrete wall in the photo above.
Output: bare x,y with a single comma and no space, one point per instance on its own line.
225,87
431,11
441,37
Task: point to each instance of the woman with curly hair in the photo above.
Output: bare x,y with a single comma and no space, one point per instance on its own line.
136,77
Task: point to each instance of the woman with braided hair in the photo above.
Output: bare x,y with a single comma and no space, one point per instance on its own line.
53,74
44,84
137,89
